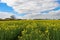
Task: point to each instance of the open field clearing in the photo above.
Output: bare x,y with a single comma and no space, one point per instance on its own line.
30,30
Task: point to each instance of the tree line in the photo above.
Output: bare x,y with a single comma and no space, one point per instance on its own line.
12,17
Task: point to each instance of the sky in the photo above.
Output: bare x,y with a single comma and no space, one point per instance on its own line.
30,9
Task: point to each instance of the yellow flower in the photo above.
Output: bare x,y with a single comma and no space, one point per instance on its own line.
46,31
0,28
7,28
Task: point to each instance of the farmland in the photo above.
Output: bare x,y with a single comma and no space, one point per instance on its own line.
30,30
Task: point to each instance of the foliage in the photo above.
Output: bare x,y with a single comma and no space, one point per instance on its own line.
12,17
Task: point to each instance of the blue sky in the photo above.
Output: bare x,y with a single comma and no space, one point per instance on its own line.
6,8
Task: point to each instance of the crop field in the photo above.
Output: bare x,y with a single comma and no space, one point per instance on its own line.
30,30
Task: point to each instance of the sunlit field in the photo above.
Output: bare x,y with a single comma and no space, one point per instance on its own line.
30,30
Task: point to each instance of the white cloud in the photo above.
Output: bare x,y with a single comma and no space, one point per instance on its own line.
22,6
50,15
5,15
33,8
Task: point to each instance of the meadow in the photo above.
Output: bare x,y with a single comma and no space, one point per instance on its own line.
30,30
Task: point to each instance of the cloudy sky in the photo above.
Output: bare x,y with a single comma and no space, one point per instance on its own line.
30,9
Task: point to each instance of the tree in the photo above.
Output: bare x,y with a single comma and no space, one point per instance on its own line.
12,17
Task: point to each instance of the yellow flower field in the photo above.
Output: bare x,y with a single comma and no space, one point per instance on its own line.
30,30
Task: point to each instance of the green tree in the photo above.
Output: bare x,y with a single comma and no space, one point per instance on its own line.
13,17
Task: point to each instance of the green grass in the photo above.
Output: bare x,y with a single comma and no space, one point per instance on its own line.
30,30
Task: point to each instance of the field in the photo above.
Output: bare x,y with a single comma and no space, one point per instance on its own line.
30,30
